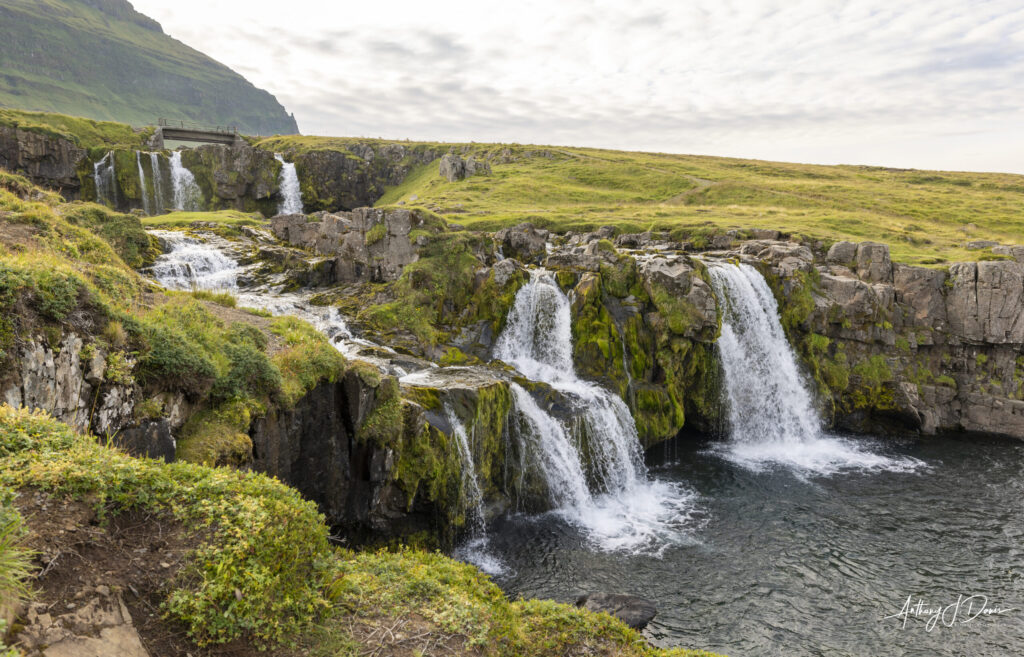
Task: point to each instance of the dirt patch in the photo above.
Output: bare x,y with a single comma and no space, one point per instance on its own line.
406,636
16,236
134,554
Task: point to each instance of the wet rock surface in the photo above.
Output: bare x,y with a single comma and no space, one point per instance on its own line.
632,610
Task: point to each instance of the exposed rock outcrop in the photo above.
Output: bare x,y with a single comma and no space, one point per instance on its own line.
71,388
46,160
454,168
523,242
632,610
101,627
896,348
367,244
239,177
334,180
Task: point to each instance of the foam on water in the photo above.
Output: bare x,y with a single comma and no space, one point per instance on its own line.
191,264
772,419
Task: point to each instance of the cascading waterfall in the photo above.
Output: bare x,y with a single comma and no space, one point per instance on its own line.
771,414
142,184
158,183
291,194
557,459
186,192
190,264
474,548
625,510
105,181
537,340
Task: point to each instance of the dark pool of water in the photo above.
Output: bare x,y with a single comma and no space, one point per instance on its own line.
783,563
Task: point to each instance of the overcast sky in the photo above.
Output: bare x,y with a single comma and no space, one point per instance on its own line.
933,84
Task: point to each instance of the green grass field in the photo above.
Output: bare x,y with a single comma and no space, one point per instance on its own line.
185,219
926,216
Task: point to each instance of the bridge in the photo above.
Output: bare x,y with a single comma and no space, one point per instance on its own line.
191,132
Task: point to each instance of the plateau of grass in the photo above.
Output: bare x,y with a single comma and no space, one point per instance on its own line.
186,219
86,133
925,216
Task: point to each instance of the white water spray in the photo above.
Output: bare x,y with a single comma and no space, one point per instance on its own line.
771,413
158,182
291,194
626,510
106,182
191,264
475,547
142,184
186,192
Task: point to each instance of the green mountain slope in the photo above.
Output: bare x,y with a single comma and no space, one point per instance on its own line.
104,60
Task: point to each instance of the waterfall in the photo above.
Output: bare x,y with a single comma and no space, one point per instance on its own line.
608,493
537,341
556,457
191,264
106,182
186,192
142,184
771,414
291,195
158,183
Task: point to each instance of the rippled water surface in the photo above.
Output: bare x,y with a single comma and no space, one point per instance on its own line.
780,561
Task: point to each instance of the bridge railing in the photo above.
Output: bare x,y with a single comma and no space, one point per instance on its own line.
187,125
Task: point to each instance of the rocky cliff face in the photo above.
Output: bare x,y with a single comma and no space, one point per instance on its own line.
897,348
45,160
366,244
238,177
335,179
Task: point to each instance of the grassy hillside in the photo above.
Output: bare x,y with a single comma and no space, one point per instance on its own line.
102,59
260,567
926,216
86,133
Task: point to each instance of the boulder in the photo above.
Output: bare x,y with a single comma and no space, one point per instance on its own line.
873,263
453,168
1014,251
632,610
523,242
842,253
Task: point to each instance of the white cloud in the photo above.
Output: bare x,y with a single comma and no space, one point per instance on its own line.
929,85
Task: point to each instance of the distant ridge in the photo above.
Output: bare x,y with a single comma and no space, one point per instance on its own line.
102,59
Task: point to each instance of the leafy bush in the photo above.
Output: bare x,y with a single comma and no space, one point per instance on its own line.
15,559
173,359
